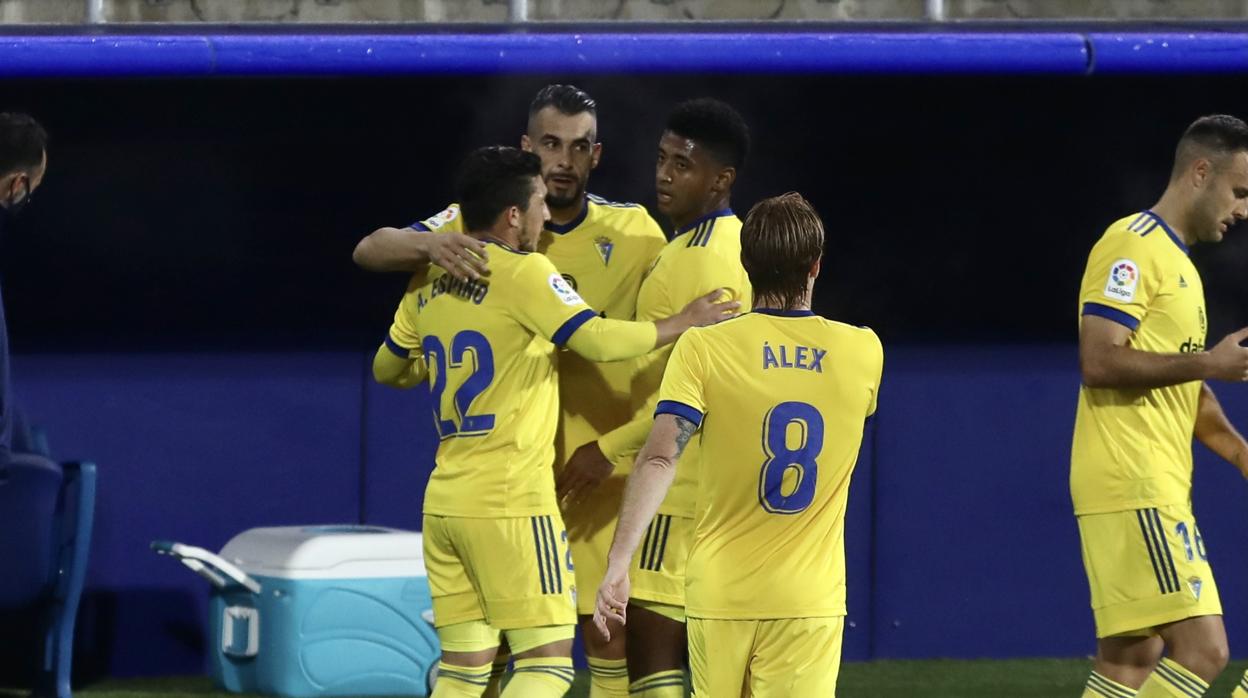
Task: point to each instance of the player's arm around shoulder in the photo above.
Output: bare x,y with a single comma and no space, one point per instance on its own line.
439,239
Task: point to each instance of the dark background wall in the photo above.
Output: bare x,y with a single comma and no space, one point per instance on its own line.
222,213
186,314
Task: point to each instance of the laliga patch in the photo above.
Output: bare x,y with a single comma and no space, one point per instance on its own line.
1124,276
566,293
450,214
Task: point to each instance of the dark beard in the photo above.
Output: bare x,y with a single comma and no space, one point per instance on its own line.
564,202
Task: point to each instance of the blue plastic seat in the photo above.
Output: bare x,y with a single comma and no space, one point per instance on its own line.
46,511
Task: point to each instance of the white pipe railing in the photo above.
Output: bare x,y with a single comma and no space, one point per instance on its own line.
934,10
95,12
517,10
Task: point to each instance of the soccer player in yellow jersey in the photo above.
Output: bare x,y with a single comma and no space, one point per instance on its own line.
603,249
778,398
1144,396
701,152
495,544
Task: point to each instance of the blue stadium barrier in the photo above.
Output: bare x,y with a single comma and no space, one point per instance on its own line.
960,536
1160,53
137,55
896,52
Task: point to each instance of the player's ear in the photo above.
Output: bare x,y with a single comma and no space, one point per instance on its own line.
1202,169
596,156
514,216
526,144
814,271
725,179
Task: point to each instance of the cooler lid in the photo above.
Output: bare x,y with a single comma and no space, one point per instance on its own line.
327,552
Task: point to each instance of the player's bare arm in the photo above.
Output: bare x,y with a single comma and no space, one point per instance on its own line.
647,486
406,249
1214,430
1107,361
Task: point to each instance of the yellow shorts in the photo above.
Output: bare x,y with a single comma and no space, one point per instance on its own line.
782,657
658,571
1146,567
591,525
511,573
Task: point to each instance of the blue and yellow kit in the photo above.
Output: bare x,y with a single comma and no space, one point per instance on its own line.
781,398
487,350
603,255
1131,457
703,256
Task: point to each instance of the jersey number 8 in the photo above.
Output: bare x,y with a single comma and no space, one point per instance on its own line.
798,463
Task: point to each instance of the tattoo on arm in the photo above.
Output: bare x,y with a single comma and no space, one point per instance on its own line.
687,428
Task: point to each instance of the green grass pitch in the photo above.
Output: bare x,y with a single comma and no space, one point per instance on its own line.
1024,678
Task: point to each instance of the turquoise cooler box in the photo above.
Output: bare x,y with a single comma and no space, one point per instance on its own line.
318,611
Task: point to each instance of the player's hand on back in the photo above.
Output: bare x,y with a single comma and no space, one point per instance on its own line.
1229,359
706,310
462,256
584,472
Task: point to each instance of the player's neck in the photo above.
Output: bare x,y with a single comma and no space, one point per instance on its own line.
564,216
1171,210
719,204
771,303
508,237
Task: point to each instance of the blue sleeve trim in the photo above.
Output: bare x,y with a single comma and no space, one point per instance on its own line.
397,349
420,225
1109,313
564,333
679,409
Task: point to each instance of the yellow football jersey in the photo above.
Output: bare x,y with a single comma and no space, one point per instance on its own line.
704,255
603,255
781,397
490,350
1133,448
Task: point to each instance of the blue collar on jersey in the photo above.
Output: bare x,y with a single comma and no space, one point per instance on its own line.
783,313
715,214
561,228
1164,226
503,245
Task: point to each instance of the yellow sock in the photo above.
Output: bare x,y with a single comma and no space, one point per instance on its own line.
1241,691
542,677
664,684
495,687
460,681
608,678
1100,687
1171,679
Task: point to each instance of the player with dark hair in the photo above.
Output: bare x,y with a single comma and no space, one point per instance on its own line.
495,544
1144,397
23,162
780,396
602,249
700,155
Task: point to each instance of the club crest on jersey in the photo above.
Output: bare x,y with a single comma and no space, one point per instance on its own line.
605,248
1124,276
563,291
1194,584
